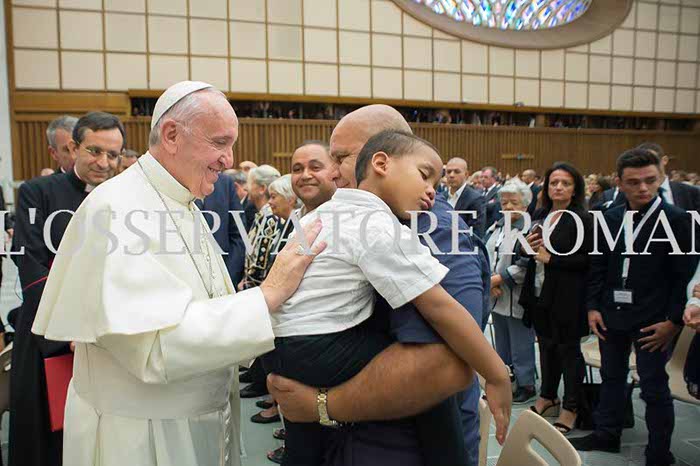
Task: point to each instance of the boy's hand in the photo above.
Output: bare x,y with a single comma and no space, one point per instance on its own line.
500,398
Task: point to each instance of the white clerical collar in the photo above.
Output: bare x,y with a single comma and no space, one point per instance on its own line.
88,187
163,181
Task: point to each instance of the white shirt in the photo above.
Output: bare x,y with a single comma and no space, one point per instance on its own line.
487,191
337,291
453,198
667,194
156,358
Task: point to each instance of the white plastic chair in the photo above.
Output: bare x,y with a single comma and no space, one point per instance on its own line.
674,368
518,450
485,417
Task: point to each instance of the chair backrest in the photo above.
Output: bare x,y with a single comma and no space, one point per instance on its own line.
485,417
675,367
518,450
5,358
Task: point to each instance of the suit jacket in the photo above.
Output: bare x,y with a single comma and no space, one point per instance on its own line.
533,203
658,280
684,196
249,212
471,200
608,197
31,441
221,201
493,206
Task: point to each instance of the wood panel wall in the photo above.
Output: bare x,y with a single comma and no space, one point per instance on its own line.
272,141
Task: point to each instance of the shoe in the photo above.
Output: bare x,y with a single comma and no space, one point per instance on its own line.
524,394
260,419
264,404
279,433
276,456
253,391
550,411
245,377
563,428
596,442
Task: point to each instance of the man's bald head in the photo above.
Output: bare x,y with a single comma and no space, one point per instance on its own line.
528,176
354,130
456,173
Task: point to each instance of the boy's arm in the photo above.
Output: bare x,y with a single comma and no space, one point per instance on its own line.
464,336
460,331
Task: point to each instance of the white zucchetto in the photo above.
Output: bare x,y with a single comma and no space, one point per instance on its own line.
173,95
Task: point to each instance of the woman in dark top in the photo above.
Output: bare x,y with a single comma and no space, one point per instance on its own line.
554,289
598,187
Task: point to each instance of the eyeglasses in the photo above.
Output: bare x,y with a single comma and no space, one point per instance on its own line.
99,152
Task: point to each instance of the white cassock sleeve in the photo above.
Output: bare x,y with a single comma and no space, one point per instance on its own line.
149,310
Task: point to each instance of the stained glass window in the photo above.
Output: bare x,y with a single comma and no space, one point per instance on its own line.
510,14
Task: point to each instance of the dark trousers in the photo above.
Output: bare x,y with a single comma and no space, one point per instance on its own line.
559,359
320,361
257,375
609,416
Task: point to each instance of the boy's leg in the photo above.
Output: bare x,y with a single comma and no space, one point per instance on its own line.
660,416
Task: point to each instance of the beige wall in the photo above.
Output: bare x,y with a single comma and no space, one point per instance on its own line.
349,48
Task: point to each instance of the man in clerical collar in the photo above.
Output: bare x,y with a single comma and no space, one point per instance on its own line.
58,135
97,141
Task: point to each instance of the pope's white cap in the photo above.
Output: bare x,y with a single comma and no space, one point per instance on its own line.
173,95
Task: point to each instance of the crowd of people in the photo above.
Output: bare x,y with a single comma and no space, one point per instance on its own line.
366,341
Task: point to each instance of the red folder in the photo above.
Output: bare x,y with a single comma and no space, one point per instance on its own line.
59,371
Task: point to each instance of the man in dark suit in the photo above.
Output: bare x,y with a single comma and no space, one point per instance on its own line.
490,185
639,300
97,142
463,197
679,194
529,176
222,201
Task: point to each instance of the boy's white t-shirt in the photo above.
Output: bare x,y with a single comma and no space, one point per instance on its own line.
368,249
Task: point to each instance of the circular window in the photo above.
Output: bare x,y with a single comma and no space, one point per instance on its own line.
532,24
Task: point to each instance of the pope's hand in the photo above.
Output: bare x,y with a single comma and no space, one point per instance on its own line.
297,402
289,267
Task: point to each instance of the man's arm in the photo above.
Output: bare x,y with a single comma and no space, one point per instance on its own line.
392,386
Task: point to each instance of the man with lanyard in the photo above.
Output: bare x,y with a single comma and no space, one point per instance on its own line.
638,300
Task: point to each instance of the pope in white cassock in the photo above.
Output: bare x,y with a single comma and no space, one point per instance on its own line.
158,327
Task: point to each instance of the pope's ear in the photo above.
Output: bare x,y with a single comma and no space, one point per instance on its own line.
169,132
380,160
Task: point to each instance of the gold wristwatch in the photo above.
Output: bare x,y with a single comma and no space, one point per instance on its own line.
322,403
